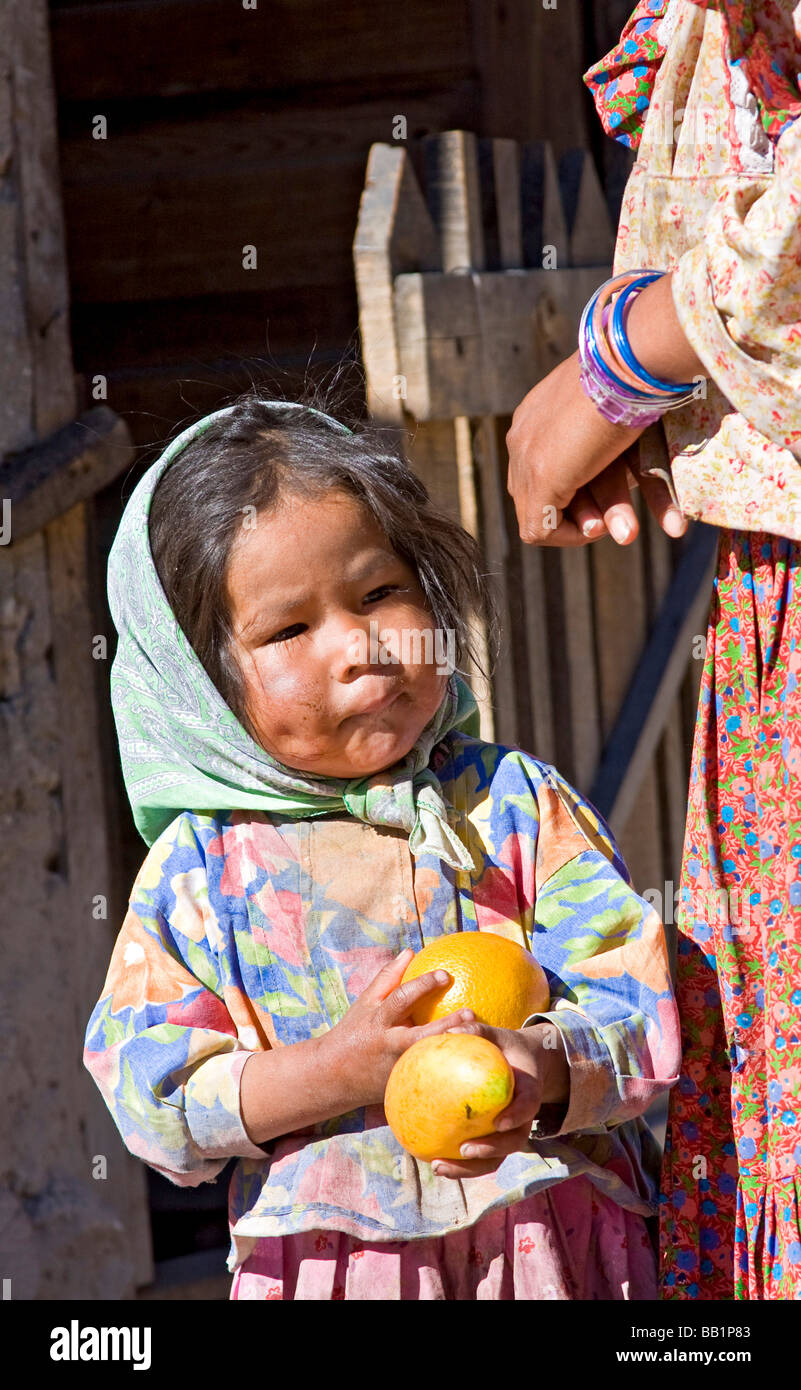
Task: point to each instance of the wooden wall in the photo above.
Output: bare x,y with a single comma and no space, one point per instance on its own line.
229,127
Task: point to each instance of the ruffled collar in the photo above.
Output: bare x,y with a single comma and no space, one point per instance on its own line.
622,82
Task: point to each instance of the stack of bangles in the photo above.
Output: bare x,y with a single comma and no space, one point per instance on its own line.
611,376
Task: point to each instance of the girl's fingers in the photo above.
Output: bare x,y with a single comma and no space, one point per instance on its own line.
452,1023
400,1002
484,1154
388,976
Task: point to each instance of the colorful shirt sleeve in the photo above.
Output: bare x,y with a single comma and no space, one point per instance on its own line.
161,1043
738,296
605,951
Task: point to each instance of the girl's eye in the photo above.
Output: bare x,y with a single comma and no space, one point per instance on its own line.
286,634
376,594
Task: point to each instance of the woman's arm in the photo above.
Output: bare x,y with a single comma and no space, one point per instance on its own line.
657,338
731,311
738,297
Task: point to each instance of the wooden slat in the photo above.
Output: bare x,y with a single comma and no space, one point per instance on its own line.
394,230
672,755
499,177
591,235
460,212
36,166
578,637
558,57
162,48
534,578
619,589
501,32
658,674
544,222
70,466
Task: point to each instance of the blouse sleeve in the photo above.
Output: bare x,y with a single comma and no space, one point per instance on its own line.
738,296
604,949
160,1044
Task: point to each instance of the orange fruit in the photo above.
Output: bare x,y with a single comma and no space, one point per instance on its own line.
445,1090
496,978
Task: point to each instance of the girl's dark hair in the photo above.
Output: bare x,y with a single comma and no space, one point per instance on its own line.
252,457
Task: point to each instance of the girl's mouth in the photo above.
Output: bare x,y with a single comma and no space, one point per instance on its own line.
376,706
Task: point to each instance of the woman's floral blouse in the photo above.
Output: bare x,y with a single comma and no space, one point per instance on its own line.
709,96
247,932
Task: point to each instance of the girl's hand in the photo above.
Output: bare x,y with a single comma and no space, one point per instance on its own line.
360,1051
541,1076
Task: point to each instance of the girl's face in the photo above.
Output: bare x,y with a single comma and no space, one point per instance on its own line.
305,581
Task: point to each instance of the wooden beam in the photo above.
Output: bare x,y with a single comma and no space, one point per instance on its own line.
394,233
656,680
474,344
70,466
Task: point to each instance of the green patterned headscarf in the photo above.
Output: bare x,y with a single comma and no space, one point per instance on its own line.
183,749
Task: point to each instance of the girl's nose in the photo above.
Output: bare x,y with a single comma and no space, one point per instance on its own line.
355,646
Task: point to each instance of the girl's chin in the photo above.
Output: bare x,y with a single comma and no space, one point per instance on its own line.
368,755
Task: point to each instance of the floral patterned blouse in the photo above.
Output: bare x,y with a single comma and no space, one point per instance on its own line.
709,96
247,932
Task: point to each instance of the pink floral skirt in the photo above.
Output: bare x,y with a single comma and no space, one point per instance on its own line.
568,1242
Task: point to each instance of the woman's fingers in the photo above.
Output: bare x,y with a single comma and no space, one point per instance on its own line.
657,497
586,515
611,494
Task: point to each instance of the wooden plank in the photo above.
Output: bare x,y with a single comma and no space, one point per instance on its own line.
394,230
544,225
474,344
440,455
502,55
533,578
579,643
163,210
70,466
16,360
590,231
672,755
658,674
618,587
495,544
559,109
454,199
41,218
112,52
453,193
57,852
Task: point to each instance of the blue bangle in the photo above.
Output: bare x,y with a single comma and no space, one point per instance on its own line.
600,364
618,332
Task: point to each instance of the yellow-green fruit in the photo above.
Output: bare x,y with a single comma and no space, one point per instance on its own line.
445,1090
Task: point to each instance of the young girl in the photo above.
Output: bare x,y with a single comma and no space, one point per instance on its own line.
318,805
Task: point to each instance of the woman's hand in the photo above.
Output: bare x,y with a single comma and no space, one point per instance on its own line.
359,1052
570,485
569,482
542,1076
